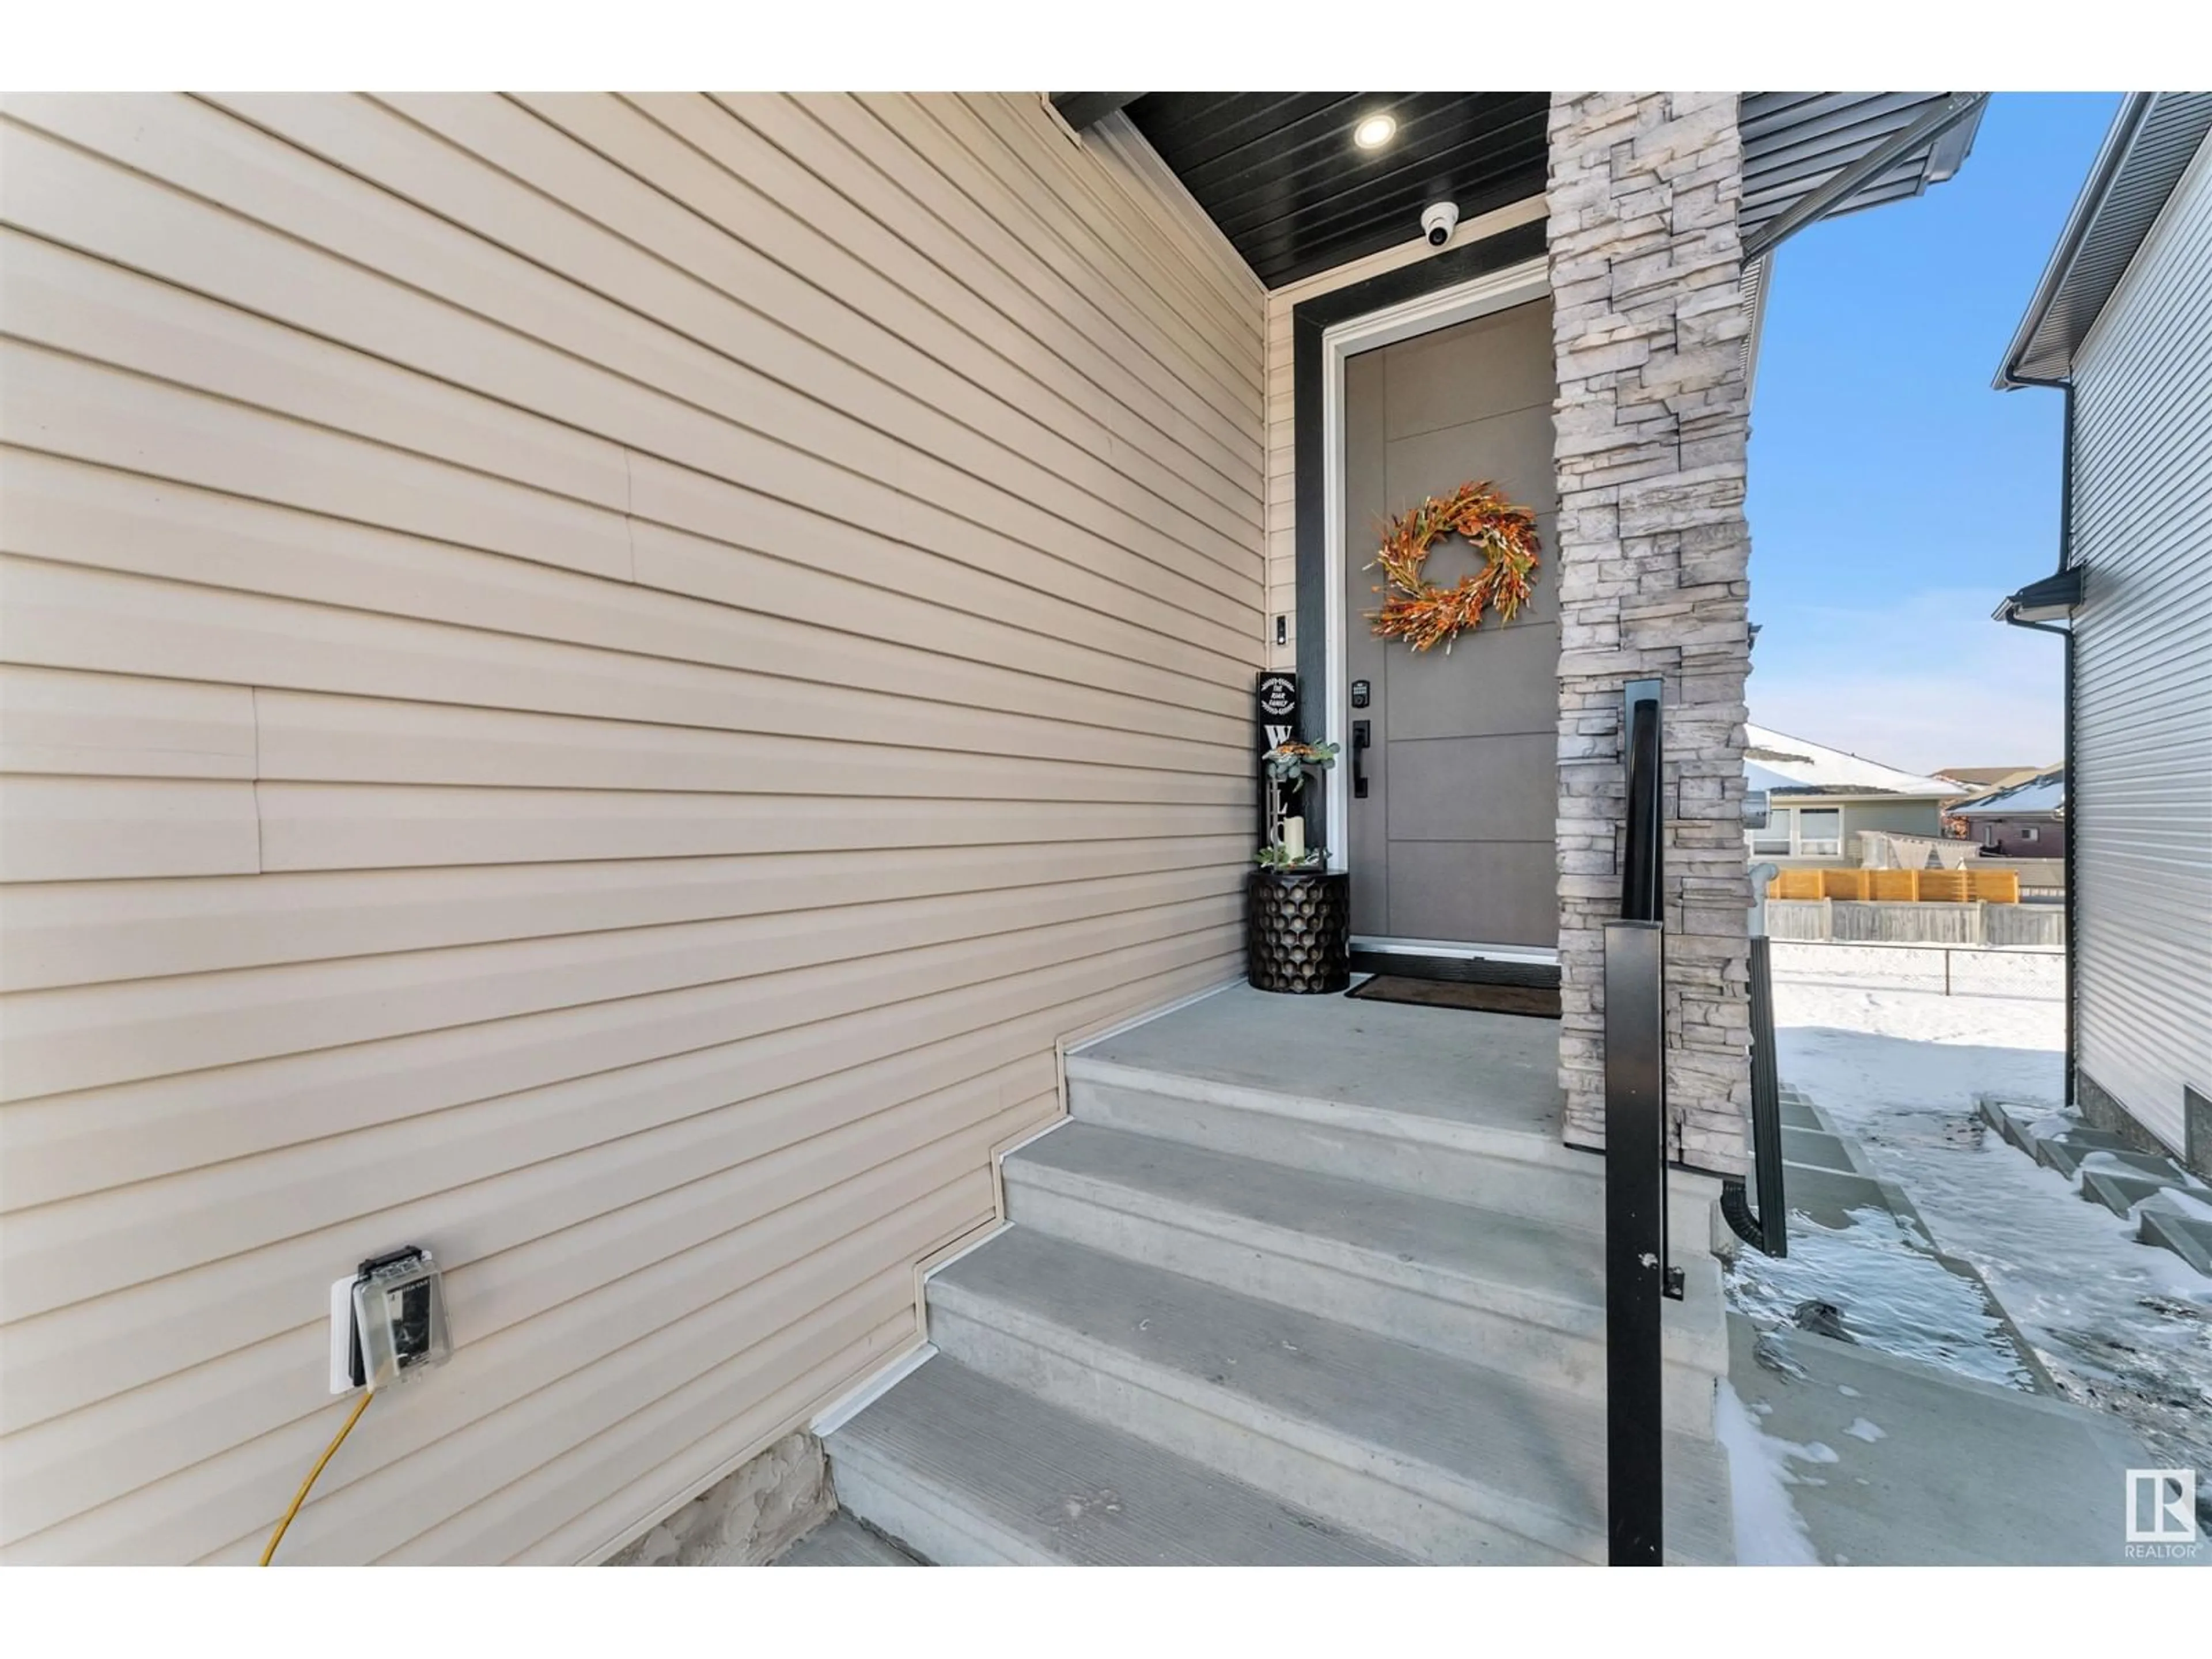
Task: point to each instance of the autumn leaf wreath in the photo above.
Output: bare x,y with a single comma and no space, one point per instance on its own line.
1423,614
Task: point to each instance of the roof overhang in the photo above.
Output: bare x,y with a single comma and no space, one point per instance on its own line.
1812,155
2051,599
2041,796
1279,175
1086,109
2149,147
1826,794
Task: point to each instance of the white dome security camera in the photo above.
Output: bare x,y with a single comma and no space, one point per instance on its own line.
1439,220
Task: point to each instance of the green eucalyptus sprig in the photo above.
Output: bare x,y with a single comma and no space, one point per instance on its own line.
1288,761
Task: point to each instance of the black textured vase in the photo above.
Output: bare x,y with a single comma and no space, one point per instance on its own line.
1298,931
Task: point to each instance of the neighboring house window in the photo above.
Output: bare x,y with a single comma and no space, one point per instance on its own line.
1775,838
1819,832
1988,835
2031,833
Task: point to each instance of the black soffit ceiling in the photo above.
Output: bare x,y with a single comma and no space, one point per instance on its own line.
1279,173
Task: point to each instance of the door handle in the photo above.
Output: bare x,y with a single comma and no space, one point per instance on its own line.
1360,743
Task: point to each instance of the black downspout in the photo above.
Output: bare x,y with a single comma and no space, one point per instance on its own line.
2073,792
2066,861
1767,1230
2073,783
2066,865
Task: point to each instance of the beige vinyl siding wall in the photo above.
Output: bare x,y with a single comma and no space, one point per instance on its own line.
1282,597
592,683
2141,774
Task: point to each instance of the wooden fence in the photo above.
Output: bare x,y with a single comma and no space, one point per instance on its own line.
1855,922
1964,886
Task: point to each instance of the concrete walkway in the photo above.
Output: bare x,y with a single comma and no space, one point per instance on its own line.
1858,1244
1931,1433
1893,1463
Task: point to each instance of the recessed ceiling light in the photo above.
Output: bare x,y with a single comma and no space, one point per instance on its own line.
1375,131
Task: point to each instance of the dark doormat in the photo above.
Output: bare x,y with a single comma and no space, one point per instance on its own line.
1476,970
1537,1001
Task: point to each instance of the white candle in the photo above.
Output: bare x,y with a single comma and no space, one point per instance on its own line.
1294,837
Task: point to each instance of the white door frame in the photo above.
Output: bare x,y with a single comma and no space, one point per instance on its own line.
1496,290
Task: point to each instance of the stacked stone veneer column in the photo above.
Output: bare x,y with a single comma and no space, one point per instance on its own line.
1653,548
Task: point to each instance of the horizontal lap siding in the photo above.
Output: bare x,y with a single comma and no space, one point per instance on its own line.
592,683
2141,770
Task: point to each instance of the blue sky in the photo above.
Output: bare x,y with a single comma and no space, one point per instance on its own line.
1894,497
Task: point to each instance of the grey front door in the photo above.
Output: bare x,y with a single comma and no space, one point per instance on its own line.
1453,840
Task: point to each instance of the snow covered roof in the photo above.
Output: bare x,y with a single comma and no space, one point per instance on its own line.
1784,765
1756,776
1982,779
2045,794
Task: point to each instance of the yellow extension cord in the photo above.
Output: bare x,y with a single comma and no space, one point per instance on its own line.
308,1485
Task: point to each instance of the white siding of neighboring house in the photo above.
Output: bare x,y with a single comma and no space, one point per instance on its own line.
2141,768
1899,818
1787,823
591,683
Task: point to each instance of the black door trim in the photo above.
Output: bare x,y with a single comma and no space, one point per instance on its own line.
1309,320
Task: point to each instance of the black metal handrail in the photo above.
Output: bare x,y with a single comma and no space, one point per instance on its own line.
1638,1277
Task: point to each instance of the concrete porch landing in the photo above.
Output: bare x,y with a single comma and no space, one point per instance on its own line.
1458,1105
1485,1071
1300,1280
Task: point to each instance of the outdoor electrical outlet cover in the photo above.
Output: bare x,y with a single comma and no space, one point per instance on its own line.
388,1321
399,1310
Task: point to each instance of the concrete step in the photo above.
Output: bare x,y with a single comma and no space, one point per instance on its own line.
2065,1151
1498,1290
2112,1173
2121,1180
2182,1225
1518,1166
1817,1149
842,1542
2013,1120
1455,1463
965,1471
1798,1111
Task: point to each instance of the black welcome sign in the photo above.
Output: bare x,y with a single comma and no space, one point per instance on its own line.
1274,722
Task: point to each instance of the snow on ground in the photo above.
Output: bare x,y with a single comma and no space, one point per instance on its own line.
1895,1296
1769,1531
1966,972
2118,1324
